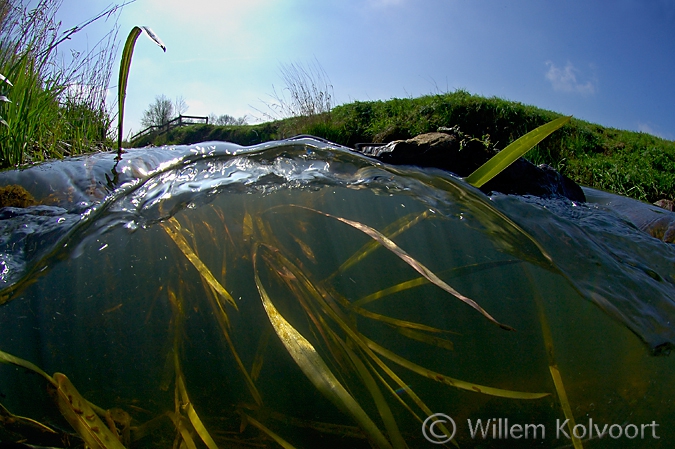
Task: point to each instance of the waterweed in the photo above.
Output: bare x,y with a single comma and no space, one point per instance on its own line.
331,345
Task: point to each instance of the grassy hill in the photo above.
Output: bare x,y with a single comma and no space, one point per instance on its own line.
629,163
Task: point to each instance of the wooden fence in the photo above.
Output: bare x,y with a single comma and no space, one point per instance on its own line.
181,120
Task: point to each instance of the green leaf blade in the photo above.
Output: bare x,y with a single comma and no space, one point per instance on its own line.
125,65
513,151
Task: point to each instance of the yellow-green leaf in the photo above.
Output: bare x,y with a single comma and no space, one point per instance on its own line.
125,65
449,380
313,366
512,152
81,416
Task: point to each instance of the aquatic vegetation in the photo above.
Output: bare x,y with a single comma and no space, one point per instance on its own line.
298,295
350,351
15,196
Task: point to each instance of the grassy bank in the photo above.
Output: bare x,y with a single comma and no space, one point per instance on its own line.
55,106
634,164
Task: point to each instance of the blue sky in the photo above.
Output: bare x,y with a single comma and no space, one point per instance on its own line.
608,62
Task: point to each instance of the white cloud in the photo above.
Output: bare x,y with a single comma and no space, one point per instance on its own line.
565,80
652,129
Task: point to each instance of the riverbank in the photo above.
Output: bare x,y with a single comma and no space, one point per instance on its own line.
629,163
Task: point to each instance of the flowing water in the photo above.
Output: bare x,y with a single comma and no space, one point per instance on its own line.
295,291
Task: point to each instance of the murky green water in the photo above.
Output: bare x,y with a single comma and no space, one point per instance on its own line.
122,282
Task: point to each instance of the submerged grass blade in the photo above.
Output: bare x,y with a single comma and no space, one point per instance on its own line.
428,339
223,321
75,409
258,358
192,414
322,297
172,228
416,265
323,427
81,416
552,365
409,391
313,366
449,380
513,151
396,228
13,360
399,324
565,404
395,436
255,423
180,423
181,396
412,283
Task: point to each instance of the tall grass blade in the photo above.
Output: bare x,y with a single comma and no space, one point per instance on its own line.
513,151
125,66
3,98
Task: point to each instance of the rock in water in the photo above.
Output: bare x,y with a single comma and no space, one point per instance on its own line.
665,204
450,150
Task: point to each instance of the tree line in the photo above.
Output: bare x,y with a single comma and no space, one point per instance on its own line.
163,110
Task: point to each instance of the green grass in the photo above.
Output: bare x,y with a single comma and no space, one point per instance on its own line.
48,119
57,109
635,164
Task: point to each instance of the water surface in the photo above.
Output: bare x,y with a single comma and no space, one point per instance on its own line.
126,276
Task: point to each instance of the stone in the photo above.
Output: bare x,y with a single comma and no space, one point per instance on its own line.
15,196
452,151
665,204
